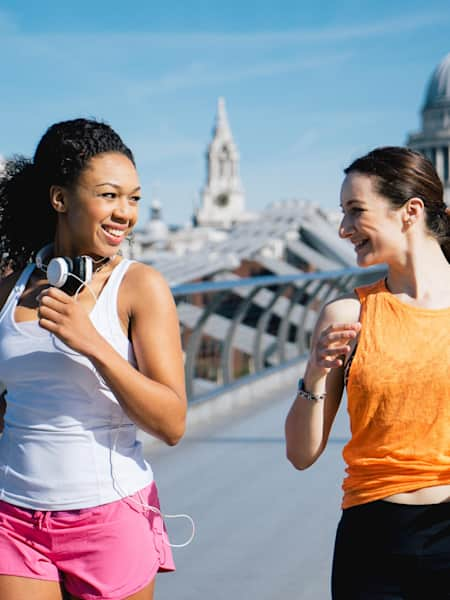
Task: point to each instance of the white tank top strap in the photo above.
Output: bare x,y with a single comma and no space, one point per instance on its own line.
117,275
106,311
17,290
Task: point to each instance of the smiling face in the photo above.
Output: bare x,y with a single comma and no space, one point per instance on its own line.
370,223
96,214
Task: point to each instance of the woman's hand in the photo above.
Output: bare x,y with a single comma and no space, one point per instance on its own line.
333,346
66,318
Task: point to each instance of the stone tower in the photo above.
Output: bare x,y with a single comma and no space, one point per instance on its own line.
222,201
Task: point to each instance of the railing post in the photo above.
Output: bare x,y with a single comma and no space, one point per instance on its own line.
310,292
227,349
286,322
194,342
261,328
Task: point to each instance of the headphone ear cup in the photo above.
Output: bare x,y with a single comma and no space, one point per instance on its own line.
69,263
83,268
78,268
75,275
88,268
59,274
69,274
80,273
58,270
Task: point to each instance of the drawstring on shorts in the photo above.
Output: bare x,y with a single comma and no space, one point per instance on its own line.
41,519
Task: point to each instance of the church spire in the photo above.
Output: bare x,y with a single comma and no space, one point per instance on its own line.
222,127
223,199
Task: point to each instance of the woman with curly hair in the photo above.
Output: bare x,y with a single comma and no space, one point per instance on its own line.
388,344
89,351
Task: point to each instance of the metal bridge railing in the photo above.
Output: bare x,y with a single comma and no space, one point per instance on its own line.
236,329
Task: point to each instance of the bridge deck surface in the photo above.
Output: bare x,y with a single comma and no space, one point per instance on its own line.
264,530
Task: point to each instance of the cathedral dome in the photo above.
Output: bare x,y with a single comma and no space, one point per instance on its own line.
438,92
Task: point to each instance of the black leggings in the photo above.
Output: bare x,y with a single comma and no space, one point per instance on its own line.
387,551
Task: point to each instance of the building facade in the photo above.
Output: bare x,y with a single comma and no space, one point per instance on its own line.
433,141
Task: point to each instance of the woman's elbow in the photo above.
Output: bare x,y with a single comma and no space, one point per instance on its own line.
176,427
175,434
301,460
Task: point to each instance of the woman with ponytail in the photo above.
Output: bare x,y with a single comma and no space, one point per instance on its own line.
89,351
388,346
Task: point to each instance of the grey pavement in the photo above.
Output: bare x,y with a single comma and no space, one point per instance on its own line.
264,531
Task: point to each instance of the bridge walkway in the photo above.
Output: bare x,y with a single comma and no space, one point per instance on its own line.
264,531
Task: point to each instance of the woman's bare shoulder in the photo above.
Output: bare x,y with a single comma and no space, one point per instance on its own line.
141,276
143,284
344,309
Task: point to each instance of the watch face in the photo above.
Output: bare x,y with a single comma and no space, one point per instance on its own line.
222,200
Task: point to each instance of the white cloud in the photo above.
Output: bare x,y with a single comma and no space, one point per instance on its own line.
106,60
189,40
404,23
307,140
393,26
201,74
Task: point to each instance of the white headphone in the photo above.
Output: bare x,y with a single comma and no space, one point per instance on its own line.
67,274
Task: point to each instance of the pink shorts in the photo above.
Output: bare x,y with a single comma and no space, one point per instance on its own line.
107,552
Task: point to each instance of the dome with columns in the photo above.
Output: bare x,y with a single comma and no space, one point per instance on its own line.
433,140
438,92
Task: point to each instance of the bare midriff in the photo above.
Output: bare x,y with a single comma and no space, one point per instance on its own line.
429,495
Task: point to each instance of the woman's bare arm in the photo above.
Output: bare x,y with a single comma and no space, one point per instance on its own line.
153,395
308,423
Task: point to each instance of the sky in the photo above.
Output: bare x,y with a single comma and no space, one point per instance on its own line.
309,86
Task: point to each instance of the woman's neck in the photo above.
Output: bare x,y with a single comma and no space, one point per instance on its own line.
422,275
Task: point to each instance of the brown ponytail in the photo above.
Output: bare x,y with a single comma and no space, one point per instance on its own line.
445,245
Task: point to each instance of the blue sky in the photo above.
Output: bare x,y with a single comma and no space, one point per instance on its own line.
308,85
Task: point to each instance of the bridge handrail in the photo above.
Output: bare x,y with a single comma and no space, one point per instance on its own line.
250,326
266,280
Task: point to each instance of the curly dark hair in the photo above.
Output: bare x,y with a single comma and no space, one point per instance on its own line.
400,174
27,219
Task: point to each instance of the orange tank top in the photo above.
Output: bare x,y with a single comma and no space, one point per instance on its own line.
398,394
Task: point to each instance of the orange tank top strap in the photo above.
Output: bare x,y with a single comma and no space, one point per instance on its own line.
371,288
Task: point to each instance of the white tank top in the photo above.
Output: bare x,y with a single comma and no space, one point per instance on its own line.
67,443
